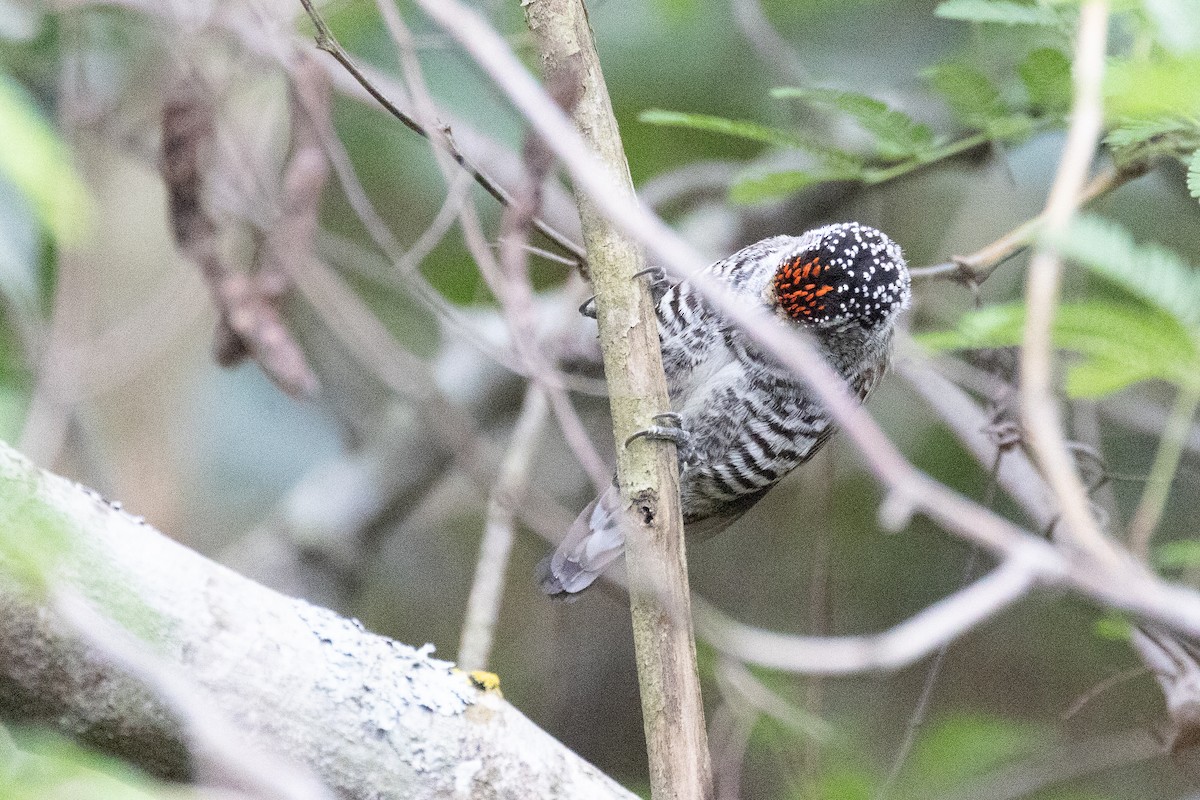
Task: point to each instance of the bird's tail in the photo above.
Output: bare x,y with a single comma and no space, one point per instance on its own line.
593,542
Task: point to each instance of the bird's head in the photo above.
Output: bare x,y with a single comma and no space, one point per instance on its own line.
839,276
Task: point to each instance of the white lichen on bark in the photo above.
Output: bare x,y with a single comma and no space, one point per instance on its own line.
372,718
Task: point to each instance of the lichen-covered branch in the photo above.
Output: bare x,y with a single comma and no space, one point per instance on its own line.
369,716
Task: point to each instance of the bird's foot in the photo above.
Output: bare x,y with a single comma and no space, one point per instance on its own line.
658,287
658,281
668,427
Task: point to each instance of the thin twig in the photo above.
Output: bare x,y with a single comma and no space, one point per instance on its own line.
1057,765
979,266
772,49
508,279
1146,415
1039,409
1175,664
963,416
350,320
1100,688
925,699
913,639
737,681
1166,461
441,138
487,589
407,263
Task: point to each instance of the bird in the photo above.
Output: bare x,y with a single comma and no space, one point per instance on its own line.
740,420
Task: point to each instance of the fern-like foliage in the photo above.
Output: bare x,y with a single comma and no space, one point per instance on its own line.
897,135
1152,273
1118,344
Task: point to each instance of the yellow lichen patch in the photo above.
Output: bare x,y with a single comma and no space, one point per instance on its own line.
485,681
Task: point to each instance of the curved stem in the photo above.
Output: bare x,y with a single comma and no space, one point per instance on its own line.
1166,461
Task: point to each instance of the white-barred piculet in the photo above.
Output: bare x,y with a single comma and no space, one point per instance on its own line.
742,421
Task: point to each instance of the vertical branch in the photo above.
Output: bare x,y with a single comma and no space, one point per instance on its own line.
1039,409
487,590
647,472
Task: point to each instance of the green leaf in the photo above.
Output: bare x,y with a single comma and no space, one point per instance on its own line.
1046,73
992,326
1113,627
1135,132
1002,12
43,765
1010,127
731,127
1152,273
969,93
37,162
1193,175
1163,85
1099,377
1119,344
897,135
835,164
1179,554
1136,139
758,189
968,746
678,9
846,784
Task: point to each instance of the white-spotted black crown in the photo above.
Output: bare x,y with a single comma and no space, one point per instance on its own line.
846,272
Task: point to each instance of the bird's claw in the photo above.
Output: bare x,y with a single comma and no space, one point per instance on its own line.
658,281
668,428
588,308
658,286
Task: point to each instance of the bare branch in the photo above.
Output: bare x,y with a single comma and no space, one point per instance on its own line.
1166,461
900,646
1039,410
487,589
979,266
219,753
1015,472
250,322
